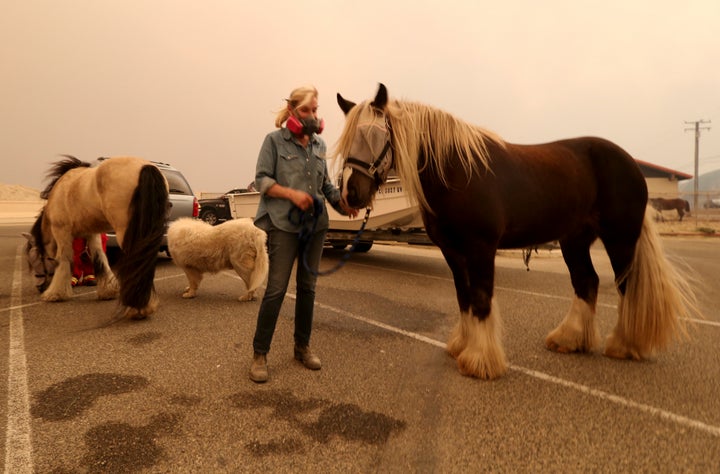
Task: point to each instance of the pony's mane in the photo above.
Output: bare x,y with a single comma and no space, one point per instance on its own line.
58,169
419,128
36,232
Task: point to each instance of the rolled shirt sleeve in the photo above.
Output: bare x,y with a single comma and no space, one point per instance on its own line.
284,161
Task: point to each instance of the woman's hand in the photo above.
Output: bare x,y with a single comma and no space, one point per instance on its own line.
301,199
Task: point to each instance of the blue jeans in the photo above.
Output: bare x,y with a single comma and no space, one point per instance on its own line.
284,248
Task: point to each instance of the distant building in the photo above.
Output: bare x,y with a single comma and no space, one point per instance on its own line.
661,181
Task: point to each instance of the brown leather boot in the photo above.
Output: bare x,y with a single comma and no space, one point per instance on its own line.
258,369
305,355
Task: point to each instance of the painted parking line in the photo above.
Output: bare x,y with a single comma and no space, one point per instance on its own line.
18,443
599,394
18,435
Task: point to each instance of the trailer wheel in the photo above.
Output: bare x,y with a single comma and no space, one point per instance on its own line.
363,246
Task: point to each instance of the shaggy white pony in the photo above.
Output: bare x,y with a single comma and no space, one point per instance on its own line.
198,247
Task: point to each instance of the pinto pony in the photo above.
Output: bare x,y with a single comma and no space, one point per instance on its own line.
479,193
124,194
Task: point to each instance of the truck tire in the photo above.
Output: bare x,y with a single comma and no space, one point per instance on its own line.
210,216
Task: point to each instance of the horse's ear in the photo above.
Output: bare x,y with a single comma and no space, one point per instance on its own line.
345,105
381,97
28,236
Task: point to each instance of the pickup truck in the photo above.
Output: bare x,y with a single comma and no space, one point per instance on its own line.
217,209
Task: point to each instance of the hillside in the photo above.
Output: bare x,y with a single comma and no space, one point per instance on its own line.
708,182
17,192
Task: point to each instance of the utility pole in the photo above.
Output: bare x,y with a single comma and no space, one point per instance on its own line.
696,180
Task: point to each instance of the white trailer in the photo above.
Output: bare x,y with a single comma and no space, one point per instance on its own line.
393,217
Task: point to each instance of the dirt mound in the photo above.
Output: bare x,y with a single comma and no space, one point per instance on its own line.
18,192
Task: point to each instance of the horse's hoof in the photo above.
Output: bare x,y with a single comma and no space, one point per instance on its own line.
563,343
622,353
482,367
135,314
188,295
555,347
107,294
52,298
616,348
453,351
456,342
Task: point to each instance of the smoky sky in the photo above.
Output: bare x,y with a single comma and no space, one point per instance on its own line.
197,84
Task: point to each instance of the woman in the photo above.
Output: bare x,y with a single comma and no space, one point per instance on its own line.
292,178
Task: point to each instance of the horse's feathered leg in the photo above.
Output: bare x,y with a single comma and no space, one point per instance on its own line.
60,288
107,288
655,300
458,338
141,243
578,330
482,355
475,342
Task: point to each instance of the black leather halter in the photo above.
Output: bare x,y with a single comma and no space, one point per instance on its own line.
371,169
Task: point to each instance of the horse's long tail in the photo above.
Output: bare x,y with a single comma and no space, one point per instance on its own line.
143,238
658,301
260,271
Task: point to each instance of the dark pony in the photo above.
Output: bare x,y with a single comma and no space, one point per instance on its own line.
127,195
479,193
680,205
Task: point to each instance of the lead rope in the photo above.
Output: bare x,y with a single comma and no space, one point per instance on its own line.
307,229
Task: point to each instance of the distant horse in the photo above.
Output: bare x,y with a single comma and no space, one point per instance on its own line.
479,193
680,205
237,244
127,195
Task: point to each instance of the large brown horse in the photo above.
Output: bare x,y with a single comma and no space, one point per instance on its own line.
479,193
662,204
124,194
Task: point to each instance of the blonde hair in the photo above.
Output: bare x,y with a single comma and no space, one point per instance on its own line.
420,128
298,97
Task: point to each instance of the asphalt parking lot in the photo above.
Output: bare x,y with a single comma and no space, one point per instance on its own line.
171,393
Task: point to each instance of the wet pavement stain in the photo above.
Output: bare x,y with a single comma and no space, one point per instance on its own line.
185,400
284,446
144,338
353,424
73,396
342,420
120,447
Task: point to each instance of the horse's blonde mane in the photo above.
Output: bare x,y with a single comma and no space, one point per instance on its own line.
420,128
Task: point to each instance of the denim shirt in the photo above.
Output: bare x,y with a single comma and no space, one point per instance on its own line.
284,161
